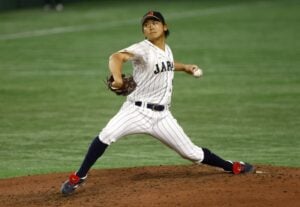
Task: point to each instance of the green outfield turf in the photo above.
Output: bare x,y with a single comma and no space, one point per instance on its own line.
53,101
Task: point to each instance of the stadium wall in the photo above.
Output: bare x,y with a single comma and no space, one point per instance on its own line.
16,4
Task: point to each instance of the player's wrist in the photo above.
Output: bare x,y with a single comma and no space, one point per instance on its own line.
188,69
117,84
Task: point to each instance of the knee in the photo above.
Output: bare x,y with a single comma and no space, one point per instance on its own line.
107,136
196,155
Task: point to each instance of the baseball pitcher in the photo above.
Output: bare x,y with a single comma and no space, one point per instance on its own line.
147,107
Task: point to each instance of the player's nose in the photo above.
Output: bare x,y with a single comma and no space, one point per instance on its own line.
151,25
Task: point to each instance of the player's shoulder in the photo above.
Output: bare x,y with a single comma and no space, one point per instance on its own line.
142,44
137,45
138,50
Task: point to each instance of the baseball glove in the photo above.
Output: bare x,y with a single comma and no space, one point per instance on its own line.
129,85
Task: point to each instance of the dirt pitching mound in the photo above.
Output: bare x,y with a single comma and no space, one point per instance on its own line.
159,186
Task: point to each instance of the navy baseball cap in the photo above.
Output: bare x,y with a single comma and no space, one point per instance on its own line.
157,16
153,15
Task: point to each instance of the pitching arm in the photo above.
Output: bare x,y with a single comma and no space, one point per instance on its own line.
188,68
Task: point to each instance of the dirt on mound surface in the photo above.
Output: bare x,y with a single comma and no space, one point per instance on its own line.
190,185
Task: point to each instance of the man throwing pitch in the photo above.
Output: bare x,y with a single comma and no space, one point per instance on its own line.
146,109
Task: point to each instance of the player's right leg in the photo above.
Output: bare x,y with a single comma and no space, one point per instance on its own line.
127,121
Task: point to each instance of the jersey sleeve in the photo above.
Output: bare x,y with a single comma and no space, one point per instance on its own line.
137,51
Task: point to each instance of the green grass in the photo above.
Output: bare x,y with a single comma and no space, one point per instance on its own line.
53,100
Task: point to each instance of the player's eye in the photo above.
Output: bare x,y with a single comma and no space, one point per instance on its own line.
150,22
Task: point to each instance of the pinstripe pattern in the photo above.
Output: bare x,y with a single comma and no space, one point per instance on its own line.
132,119
151,87
170,133
153,72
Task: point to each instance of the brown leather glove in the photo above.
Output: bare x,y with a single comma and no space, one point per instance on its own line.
128,86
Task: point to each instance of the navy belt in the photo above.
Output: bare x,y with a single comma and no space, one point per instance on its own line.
154,107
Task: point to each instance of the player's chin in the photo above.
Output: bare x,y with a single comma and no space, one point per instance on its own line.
152,37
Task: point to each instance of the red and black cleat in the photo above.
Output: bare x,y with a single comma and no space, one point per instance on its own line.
69,186
242,168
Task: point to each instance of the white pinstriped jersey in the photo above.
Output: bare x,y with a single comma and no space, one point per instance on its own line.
153,71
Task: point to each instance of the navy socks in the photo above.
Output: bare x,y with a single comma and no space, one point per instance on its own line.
214,160
95,151
97,148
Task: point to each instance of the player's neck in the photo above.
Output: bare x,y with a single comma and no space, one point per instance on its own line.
160,43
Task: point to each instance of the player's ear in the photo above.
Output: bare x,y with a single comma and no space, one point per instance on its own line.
166,30
165,27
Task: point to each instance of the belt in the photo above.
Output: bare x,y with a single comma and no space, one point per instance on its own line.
154,107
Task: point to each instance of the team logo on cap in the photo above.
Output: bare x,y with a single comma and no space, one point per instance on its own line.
150,13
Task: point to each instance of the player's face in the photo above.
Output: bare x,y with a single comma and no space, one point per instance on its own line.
154,29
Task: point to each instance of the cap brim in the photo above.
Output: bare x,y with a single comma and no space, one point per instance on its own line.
150,17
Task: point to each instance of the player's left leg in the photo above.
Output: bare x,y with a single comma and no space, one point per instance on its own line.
171,133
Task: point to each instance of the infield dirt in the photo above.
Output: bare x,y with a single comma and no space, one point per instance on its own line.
187,185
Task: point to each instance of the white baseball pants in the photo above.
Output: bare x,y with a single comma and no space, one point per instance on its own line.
132,119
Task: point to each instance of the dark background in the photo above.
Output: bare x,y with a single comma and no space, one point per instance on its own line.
15,4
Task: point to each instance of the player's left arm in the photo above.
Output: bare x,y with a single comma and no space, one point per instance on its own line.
188,68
